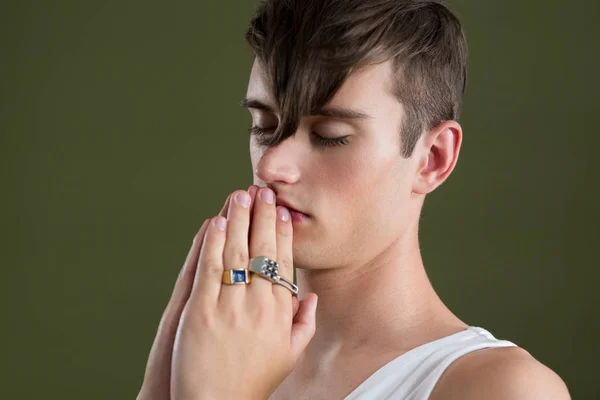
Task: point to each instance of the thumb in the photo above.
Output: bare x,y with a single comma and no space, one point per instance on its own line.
303,328
295,306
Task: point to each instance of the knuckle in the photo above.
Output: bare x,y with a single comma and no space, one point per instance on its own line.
265,249
205,319
262,313
266,211
202,318
284,231
213,268
237,258
271,215
234,319
286,264
286,317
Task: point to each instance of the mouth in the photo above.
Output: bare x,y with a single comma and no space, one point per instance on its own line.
297,215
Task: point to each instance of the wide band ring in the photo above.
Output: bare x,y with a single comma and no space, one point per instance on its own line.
236,277
269,269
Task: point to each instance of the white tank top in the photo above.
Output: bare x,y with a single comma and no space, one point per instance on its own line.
413,375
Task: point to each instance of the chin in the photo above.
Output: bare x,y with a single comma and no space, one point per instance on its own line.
309,258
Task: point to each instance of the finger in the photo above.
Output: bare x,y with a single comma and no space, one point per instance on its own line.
284,232
185,281
263,236
225,209
183,285
303,328
252,192
209,272
235,254
159,360
295,306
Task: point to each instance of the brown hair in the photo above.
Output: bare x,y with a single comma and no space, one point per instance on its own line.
309,47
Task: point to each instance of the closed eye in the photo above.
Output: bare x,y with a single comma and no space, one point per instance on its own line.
262,137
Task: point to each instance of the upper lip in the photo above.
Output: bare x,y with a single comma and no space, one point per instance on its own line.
287,204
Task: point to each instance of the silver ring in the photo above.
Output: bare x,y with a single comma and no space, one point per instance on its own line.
269,270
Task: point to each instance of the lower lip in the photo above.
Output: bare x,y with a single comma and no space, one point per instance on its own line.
298,216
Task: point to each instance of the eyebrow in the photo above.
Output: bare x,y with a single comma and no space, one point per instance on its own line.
331,112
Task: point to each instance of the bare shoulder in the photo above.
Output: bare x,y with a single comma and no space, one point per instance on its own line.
499,373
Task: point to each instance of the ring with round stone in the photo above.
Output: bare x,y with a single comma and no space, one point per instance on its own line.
269,269
236,277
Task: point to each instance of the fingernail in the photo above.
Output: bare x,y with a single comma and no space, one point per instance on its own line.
268,196
283,214
220,223
243,199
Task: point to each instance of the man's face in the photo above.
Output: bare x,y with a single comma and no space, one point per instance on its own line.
358,196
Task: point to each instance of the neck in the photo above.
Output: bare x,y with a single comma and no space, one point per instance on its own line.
387,303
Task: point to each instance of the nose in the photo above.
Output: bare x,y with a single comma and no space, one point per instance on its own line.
279,164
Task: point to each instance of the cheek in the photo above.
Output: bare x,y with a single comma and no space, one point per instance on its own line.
368,191
255,156
344,175
350,181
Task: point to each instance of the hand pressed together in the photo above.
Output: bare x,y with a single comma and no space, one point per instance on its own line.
218,341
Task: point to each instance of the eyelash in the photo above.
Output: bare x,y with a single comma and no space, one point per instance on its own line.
323,142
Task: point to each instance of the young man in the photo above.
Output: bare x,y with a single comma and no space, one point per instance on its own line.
354,106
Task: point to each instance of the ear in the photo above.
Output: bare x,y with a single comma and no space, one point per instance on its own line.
437,154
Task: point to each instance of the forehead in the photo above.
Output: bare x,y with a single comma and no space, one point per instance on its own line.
367,88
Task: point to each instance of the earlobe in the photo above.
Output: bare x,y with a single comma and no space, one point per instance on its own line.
442,146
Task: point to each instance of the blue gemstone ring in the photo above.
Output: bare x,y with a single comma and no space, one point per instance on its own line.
269,269
236,277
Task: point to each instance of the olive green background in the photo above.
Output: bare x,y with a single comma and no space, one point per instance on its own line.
120,131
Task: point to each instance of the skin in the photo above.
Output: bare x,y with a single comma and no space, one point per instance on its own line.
358,257
211,334
357,249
